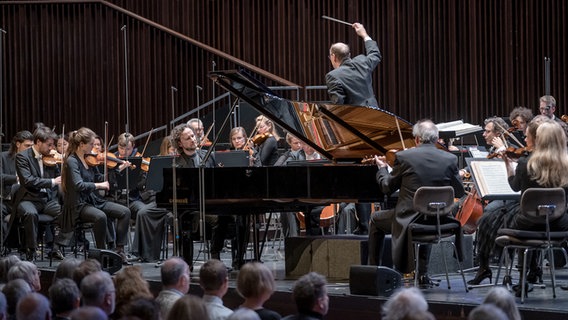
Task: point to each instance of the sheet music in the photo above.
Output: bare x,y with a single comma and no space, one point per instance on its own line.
459,127
491,178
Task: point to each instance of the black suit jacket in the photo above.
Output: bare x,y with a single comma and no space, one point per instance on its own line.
352,83
31,180
9,177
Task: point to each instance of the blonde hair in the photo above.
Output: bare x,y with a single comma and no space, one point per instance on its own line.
549,160
235,131
165,146
262,119
255,279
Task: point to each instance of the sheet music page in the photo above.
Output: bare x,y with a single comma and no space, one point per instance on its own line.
491,177
459,127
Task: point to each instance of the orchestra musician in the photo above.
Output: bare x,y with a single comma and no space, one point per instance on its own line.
38,192
79,180
494,135
21,141
98,145
197,126
267,144
424,165
547,107
239,141
520,118
166,148
150,219
350,81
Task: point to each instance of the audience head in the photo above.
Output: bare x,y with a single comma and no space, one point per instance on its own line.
255,280
425,131
97,289
504,300
66,268
3,307
33,306
175,274
130,284
88,312
188,307
27,271
547,106
15,290
64,296
6,263
520,117
84,269
21,141
142,308
404,302
310,294
244,314
487,311
213,277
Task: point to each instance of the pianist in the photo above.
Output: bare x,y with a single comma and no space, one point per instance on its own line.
424,165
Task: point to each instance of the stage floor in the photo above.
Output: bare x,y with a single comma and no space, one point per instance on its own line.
445,303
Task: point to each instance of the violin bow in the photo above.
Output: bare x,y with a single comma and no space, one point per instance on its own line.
202,142
399,132
147,140
510,135
105,170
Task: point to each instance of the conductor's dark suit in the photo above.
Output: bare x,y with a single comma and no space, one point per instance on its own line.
424,165
351,83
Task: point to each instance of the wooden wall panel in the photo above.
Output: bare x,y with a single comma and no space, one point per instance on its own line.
442,59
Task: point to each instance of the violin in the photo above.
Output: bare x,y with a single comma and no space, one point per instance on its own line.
260,138
96,159
516,153
51,160
389,158
145,162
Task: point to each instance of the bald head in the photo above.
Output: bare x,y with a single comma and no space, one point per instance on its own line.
338,52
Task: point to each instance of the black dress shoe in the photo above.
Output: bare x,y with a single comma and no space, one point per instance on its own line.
424,282
482,273
56,254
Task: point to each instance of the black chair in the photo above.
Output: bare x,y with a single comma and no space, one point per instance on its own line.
541,205
434,202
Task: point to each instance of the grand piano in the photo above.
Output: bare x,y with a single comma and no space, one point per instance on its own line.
342,134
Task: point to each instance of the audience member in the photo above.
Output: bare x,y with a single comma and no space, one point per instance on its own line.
188,307
487,311
33,306
504,300
88,312
97,290
6,263
85,268
143,309
130,284
255,283
65,297
66,268
3,307
175,281
214,281
15,290
310,295
403,303
28,271
244,314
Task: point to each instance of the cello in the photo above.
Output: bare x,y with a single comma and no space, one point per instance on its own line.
470,211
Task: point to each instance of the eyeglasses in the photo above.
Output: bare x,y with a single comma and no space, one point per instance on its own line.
545,108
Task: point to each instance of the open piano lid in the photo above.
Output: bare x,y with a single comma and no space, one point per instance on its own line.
336,131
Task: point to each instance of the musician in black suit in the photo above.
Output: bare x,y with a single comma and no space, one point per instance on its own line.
547,107
21,141
38,192
350,82
424,165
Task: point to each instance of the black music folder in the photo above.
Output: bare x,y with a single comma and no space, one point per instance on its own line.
129,177
155,177
233,158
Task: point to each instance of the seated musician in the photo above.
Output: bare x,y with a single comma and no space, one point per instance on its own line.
424,165
266,141
197,126
150,219
496,216
21,141
494,135
38,192
79,180
166,148
520,118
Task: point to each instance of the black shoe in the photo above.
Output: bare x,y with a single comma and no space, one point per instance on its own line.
517,288
424,282
535,276
56,254
482,273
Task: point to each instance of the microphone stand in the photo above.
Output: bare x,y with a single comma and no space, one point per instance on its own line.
174,186
213,65
2,32
126,125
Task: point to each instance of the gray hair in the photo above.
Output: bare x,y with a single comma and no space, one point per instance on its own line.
426,131
505,301
95,286
23,270
404,302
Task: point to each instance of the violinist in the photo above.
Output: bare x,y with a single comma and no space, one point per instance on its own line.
267,142
143,208
38,192
495,135
238,140
98,145
62,144
197,126
520,117
424,165
79,180
547,107
166,148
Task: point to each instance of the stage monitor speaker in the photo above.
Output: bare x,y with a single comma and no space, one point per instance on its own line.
110,261
373,280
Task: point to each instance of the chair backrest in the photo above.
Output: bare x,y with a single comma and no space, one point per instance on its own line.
532,198
426,195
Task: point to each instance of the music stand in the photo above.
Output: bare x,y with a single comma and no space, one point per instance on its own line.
133,175
233,158
155,176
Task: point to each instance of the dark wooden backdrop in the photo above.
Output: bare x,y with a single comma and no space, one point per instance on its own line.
63,61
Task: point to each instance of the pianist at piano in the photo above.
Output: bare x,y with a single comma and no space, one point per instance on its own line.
424,165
